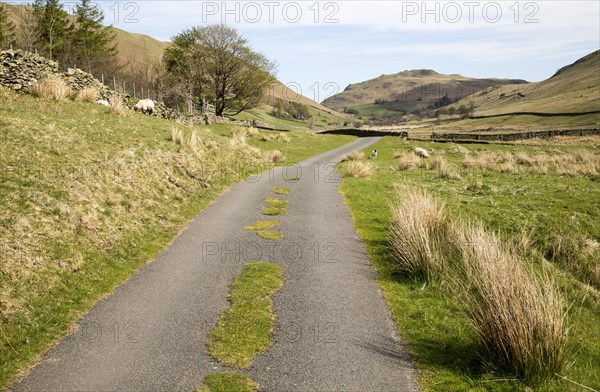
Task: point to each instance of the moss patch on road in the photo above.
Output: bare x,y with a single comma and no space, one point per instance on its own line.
245,329
262,225
274,211
228,382
270,235
276,203
275,206
281,191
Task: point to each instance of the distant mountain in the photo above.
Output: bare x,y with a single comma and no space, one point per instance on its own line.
411,86
573,88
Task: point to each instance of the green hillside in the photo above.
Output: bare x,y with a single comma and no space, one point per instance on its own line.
409,87
574,88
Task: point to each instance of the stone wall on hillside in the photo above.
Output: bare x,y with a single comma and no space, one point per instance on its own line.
516,135
78,80
19,70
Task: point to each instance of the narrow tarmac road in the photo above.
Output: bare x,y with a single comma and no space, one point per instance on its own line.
333,329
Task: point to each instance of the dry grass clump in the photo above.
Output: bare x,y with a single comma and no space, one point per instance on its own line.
407,161
483,161
86,94
571,164
359,169
177,136
195,142
118,107
518,315
418,234
282,137
238,136
444,169
355,156
51,87
578,254
274,156
251,131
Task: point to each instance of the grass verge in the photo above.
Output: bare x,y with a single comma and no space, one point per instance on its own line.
245,329
438,333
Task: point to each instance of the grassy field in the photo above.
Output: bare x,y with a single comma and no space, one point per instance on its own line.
89,196
544,194
393,109
497,125
321,119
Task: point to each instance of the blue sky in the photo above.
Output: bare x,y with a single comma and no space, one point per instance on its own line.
327,45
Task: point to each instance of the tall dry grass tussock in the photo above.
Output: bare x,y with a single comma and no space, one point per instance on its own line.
51,87
118,107
275,156
407,161
519,315
355,156
177,136
578,254
282,137
194,141
444,169
86,94
238,136
570,164
418,235
359,169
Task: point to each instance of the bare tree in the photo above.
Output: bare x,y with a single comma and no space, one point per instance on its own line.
28,38
216,63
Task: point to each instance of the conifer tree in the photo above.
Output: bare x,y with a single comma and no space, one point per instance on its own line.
7,29
53,27
93,44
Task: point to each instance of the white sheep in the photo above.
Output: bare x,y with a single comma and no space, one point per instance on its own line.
103,102
145,105
421,152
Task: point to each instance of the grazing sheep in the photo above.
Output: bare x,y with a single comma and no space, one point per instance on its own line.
145,105
373,154
421,152
103,102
